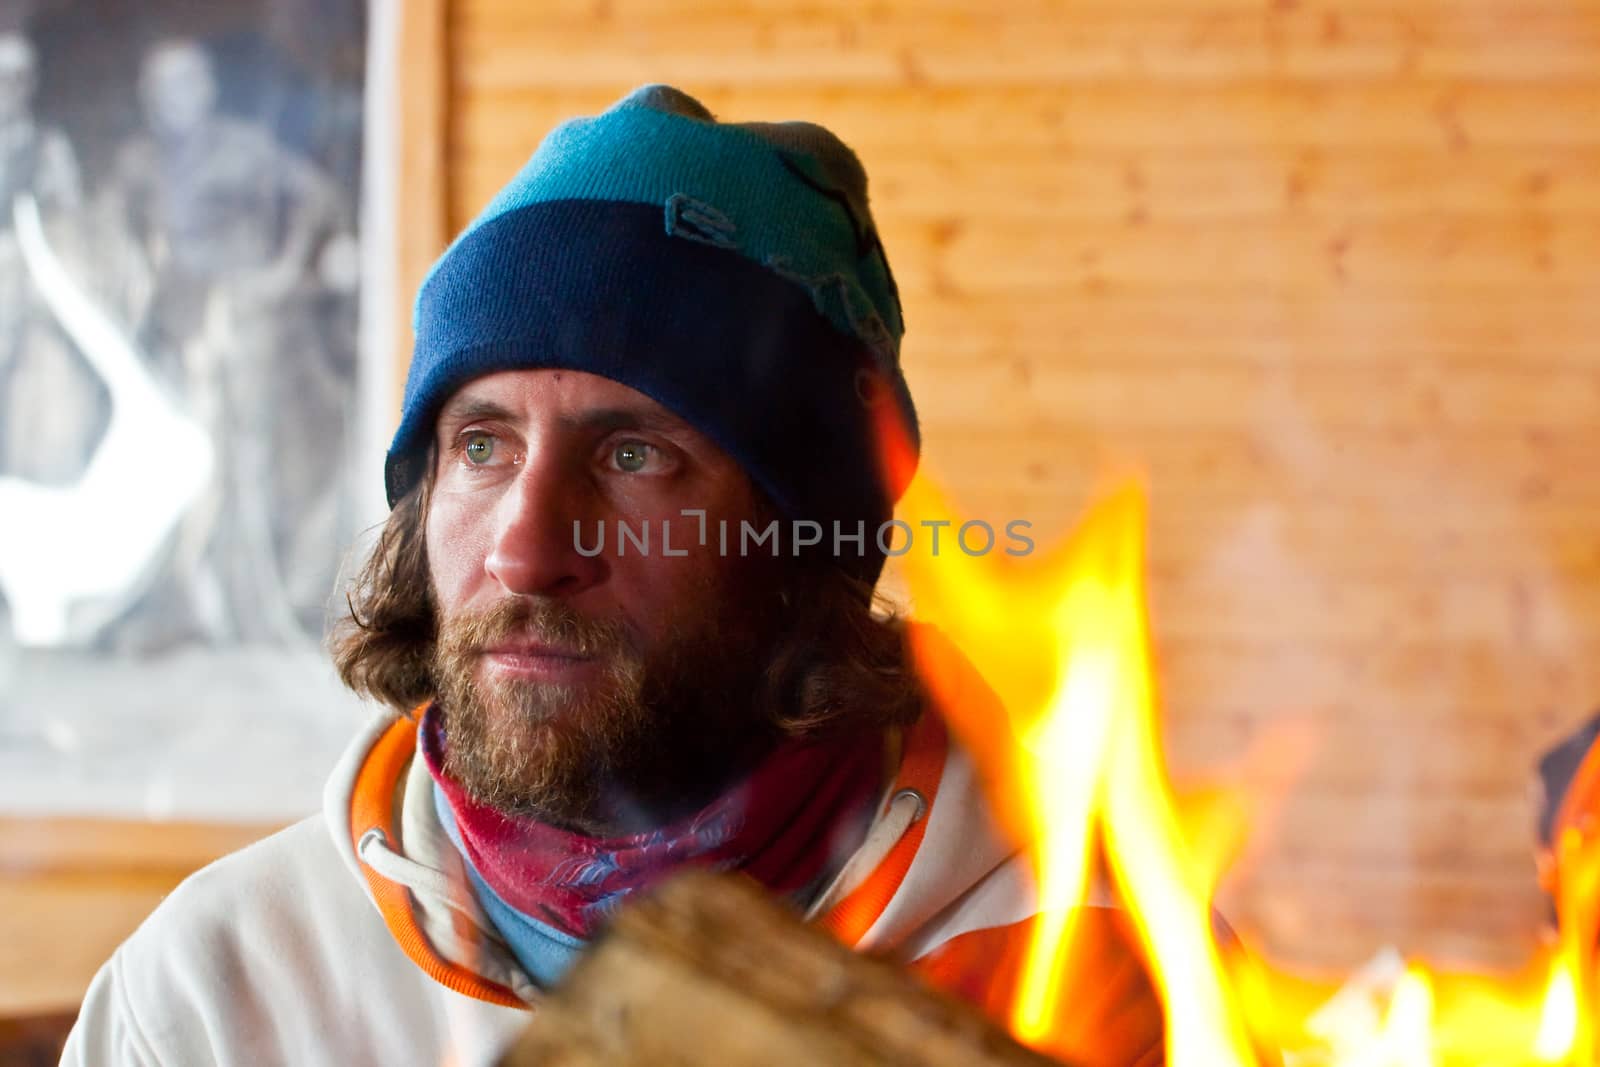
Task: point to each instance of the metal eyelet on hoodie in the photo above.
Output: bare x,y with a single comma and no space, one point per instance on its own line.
922,803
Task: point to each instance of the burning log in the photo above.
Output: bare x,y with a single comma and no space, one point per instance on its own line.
710,970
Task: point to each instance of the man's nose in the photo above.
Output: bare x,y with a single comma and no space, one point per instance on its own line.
535,546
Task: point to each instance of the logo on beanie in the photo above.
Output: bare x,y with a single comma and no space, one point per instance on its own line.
697,220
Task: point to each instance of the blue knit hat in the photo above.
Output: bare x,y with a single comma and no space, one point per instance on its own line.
731,272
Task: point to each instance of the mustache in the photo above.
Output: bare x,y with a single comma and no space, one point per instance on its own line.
541,620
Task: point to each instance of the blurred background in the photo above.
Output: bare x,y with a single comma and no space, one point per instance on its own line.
186,453
1325,269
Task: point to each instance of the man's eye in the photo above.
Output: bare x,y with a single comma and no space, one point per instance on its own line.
631,456
478,448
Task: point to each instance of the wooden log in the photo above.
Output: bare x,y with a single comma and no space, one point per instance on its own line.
709,970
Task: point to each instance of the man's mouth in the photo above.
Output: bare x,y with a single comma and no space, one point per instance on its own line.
536,660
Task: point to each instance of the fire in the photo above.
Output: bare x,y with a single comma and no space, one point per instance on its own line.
1558,1025
1407,1035
1079,779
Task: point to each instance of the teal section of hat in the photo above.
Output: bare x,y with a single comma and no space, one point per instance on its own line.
790,196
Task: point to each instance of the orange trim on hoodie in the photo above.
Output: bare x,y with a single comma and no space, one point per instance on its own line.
372,805
923,765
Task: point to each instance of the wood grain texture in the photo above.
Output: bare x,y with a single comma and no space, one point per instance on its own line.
1324,270
422,228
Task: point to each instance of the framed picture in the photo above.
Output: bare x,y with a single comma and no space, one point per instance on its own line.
196,369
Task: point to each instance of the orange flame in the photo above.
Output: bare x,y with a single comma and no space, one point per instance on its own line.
1085,760
1064,642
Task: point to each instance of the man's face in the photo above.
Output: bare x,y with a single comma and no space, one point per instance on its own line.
589,690
178,88
16,78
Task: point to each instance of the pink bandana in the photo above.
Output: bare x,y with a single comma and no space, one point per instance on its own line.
786,826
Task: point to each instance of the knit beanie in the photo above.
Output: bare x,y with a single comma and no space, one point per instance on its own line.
729,271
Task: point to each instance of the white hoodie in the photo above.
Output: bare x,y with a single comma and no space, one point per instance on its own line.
355,939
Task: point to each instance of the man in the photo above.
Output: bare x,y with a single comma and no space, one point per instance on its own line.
226,224
676,327
51,407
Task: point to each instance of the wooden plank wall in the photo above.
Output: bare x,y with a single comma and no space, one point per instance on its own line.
1326,269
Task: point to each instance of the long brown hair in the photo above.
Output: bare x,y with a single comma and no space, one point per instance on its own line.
838,664
384,648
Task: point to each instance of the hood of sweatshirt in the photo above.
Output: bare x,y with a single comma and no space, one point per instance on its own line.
931,866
